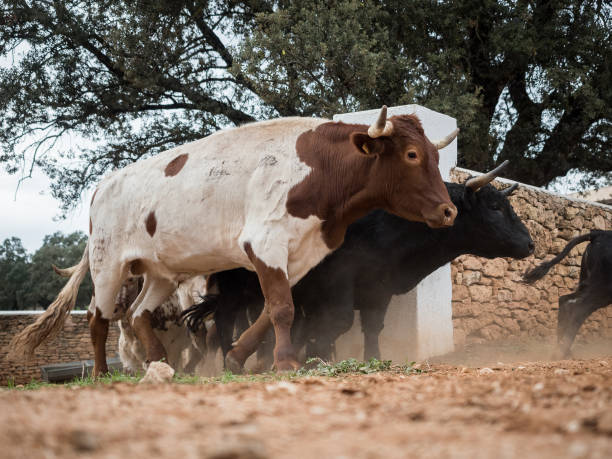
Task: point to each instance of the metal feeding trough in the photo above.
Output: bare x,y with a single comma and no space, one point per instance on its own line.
60,372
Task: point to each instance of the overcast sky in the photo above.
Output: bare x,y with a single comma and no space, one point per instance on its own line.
31,216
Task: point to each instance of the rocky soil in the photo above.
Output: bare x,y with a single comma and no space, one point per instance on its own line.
521,409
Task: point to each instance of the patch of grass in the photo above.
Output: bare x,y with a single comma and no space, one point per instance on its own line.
109,378
229,377
354,366
318,367
187,379
345,366
115,376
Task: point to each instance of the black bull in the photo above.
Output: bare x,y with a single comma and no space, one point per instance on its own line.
382,255
594,289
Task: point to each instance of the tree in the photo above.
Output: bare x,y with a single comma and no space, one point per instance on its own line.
43,283
527,80
13,274
133,76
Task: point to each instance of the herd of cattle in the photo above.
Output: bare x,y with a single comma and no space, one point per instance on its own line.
211,244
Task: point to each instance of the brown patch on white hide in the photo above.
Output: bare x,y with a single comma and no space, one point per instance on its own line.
151,223
175,166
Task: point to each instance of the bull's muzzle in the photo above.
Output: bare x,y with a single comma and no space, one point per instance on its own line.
443,216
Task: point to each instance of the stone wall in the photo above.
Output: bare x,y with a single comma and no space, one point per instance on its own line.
489,300
72,344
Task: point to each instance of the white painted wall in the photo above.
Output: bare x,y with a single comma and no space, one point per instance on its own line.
419,323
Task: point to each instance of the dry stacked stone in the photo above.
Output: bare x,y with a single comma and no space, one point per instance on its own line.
72,344
489,300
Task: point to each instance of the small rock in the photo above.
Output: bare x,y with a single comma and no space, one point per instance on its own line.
561,371
83,440
485,371
520,367
538,387
526,408
603,363
573,426
246,450
158,373
349,391
417,415
578,449
317,410
282,385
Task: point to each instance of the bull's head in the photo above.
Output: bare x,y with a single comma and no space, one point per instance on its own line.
489,221
406,171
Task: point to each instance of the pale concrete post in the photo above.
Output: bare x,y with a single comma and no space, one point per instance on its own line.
419,323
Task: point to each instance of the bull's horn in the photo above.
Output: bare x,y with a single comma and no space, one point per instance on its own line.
477,183
439,144
508,191
381,127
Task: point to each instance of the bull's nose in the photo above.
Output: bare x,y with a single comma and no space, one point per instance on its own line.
449,213
441,216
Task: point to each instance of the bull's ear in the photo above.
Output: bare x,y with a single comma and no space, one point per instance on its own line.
366,144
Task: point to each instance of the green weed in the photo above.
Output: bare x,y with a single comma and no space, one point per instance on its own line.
317,366
323,368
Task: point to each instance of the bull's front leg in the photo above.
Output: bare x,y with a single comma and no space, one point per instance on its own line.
278,311
154,292
279,305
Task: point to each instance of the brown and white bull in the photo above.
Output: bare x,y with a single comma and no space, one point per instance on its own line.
274,197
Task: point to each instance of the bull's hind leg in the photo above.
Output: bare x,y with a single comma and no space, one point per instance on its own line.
574,309
247,343
372,324
154,292
107,283
98,330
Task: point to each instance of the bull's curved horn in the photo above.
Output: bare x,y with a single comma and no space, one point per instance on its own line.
441,143
508,191
477,183
381,127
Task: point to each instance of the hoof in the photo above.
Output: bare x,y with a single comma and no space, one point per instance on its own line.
287,365
96,373
561,354
233,364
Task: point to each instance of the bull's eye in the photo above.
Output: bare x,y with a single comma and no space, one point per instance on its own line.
412,155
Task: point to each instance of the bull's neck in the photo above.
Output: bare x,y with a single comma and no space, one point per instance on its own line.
337,190
351,200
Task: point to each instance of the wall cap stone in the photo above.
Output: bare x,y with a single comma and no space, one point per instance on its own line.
539,190
33,313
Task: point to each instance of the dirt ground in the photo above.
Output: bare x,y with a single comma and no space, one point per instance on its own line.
506,408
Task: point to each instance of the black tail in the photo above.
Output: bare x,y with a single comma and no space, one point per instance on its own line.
540,271
194,316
